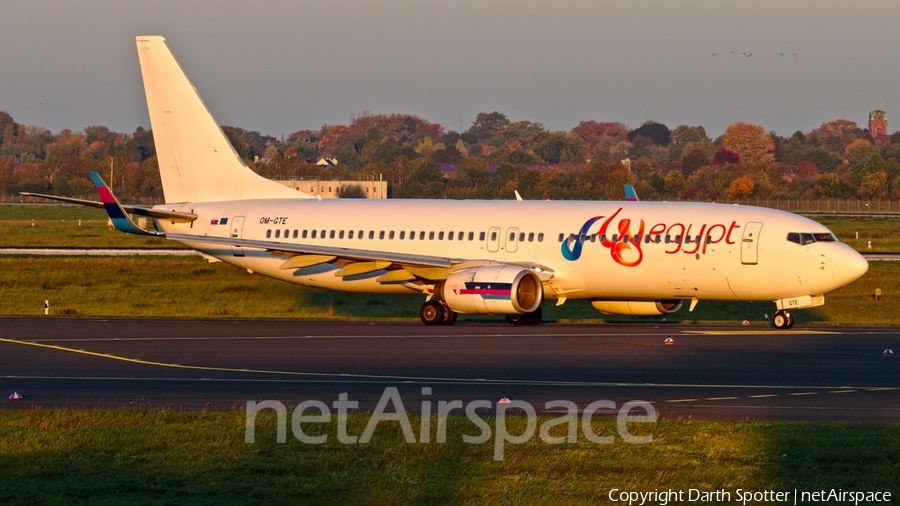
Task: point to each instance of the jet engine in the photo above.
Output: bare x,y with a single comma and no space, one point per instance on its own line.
495,289
637,307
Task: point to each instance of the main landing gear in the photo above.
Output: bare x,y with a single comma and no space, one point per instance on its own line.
435,313
532,318
782,320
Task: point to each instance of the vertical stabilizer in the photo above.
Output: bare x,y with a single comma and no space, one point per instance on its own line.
196,161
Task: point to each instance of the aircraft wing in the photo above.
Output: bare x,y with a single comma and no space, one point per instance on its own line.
140,211
401,266
309,249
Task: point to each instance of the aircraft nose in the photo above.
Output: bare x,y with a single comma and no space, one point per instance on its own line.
847,265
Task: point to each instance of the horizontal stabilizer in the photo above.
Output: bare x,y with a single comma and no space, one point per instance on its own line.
173,216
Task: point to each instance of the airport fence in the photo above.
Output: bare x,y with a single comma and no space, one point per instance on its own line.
22,199
794,205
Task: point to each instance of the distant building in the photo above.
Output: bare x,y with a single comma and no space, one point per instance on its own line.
878,127
328,189
325,162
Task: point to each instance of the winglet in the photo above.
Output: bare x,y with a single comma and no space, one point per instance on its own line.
117,215
630,194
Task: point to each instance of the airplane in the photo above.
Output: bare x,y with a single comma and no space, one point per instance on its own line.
469,256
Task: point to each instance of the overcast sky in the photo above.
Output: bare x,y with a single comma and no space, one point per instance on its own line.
282,66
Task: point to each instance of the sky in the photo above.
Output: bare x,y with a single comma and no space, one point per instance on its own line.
279,66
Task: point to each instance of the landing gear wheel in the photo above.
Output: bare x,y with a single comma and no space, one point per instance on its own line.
782,320
432,313
532,318
449,316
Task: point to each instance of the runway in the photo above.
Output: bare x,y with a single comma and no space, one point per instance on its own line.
733,372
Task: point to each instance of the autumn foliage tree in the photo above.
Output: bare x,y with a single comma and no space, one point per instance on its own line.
751,142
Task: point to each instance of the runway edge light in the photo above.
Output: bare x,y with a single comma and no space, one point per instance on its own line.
15,396
745,322
888,352
669,340
504,400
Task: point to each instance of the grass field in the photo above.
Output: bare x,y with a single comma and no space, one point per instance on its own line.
66,226
143,286
137,456
57,226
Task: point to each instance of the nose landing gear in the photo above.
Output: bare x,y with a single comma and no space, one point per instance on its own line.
782,320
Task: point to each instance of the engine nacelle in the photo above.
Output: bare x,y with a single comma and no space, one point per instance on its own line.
495,289
637,307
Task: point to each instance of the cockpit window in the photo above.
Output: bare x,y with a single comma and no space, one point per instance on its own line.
803,238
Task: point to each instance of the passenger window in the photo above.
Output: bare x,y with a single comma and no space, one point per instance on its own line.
624,237
277,234
350,235
313,234
402,234
268,234
295,234
668,239
541,237
360,234
471,236
659,239
440,236
709,239
687,239
304,234
287,233
561,237
381,234
450,236
646,239
512,236
494,236
391,234
602,237
530,236
481,236
322,235
697,239
678,238
422,235
615,238
371,234
341,235
460,236
412,235
430,236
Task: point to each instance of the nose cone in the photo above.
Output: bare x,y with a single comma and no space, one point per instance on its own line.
847,265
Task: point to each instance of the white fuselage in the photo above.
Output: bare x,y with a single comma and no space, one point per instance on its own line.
743,253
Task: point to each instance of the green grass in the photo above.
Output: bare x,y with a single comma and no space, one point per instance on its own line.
145,286
66,226
57,226
883,232
137,456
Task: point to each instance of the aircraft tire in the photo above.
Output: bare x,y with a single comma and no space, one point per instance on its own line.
782,320
449,316
534,317
432,313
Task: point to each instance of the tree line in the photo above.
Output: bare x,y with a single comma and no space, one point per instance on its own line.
492,159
